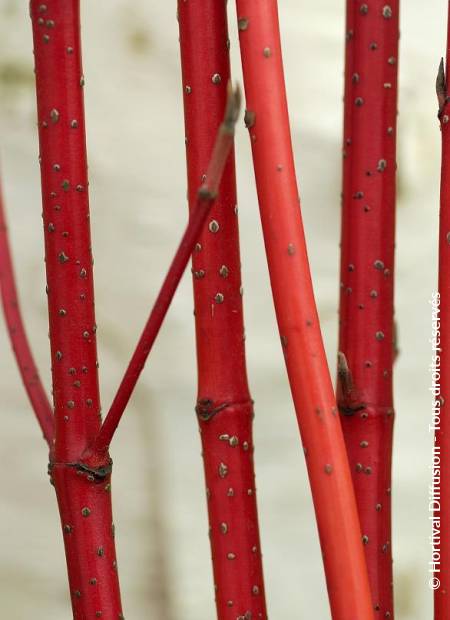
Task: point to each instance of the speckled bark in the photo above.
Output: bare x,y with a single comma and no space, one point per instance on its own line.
224,406
83,496
441,345
311,386
18,338
366,336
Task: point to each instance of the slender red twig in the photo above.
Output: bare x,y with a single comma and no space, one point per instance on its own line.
311,386
83,495
441,361
206,196
224,407
367,286
18,337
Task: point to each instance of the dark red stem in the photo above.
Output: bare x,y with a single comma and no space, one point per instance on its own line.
440,306
83,495
366,336
311,386
18,337
224,406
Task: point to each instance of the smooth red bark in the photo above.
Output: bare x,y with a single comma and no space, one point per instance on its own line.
441,361
224,406
83,496
311,386
366,335
18,337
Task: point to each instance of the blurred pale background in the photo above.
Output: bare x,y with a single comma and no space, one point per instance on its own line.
137,174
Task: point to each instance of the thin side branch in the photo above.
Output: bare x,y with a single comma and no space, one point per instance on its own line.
18,337
206,198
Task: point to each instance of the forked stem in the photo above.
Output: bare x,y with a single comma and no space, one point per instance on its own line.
84,496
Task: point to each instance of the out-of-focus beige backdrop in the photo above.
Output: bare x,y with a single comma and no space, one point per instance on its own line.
137,174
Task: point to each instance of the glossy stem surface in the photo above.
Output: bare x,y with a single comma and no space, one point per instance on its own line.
312,391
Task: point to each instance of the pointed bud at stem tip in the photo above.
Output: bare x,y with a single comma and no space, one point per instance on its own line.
441,86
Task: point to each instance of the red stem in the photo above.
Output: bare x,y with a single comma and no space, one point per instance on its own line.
83,496
311,386
366,337
224,406
441,359
205,199
18,337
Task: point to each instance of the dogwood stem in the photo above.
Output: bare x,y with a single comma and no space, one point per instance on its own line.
366,334
441,361
224,406
268,123
83,494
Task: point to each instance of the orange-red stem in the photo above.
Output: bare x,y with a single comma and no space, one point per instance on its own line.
311,386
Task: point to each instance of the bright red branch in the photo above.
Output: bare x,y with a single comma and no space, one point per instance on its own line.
83,495
366,336
68,255
224,406
268,123
18,337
